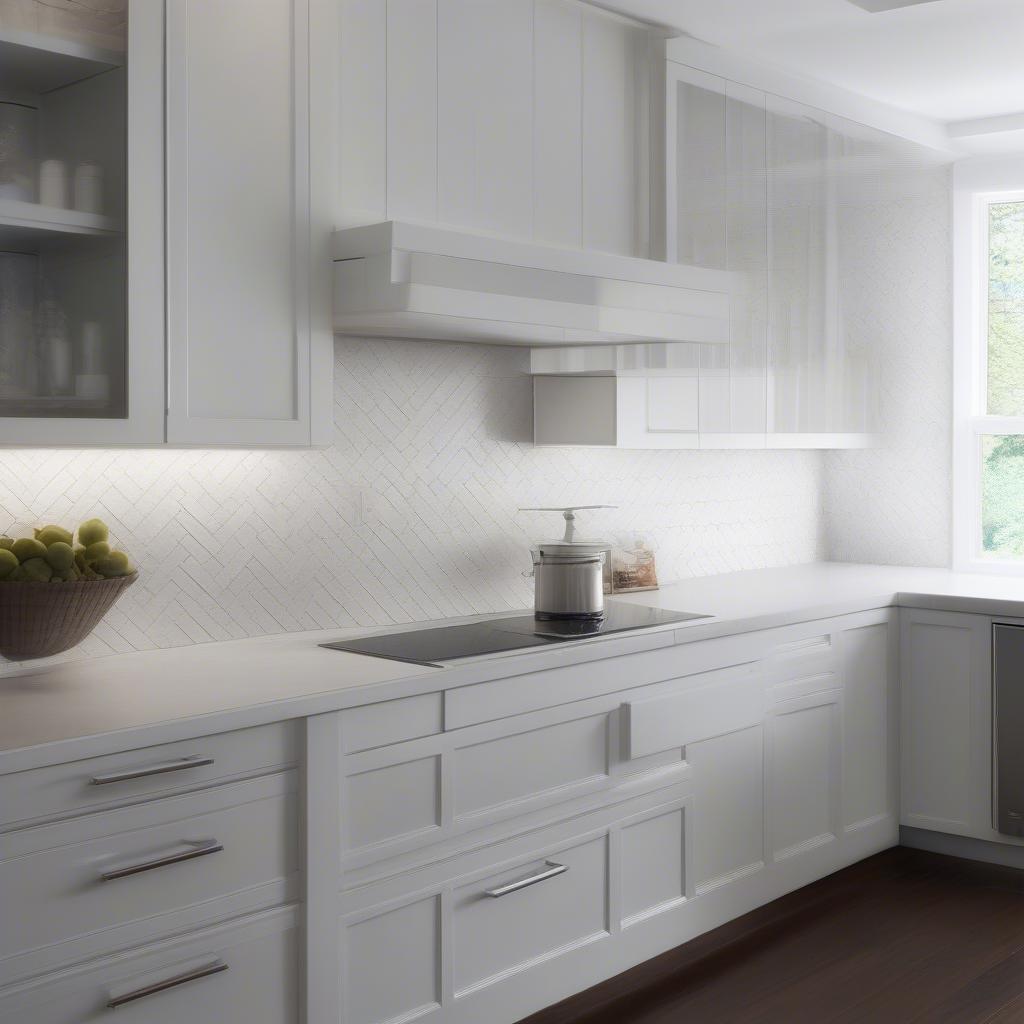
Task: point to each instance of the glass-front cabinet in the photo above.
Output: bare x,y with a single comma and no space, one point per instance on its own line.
76,81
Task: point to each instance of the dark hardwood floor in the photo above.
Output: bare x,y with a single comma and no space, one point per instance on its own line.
904,936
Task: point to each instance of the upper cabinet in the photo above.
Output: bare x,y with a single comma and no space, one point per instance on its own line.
526,119
166,141
247,229
81,225
777,197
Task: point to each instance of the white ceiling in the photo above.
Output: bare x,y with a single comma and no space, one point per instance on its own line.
949,60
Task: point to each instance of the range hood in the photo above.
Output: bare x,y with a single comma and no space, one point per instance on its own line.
401,280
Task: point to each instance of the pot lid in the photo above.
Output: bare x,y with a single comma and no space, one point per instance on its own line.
569,545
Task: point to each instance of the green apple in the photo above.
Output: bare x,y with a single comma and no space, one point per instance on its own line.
92,531
28,547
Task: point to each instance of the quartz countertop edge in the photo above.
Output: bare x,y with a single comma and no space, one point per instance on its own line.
90,707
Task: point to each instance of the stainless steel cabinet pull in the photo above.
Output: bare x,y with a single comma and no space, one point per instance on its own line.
154,769
217,967
199,849
550,870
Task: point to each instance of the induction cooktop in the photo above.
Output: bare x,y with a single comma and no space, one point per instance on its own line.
442,644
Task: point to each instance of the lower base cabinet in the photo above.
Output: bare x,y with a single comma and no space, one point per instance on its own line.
752,779
244,972
479,939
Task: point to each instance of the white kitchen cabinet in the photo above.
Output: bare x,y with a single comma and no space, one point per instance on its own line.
527,119
222,118
81,293
248,130
946,722
235,973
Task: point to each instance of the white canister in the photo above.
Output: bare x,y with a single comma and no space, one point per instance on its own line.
18,272
89,188
17,151
91,352
53,183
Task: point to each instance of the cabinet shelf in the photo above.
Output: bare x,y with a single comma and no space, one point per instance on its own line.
35,63
24,225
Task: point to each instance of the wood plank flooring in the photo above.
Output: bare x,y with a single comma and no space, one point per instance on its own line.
905,936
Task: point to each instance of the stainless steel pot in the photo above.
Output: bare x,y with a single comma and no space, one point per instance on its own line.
568,584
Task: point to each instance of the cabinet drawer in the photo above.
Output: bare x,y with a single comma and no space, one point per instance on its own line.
712,705
242,973
466,927
82,786
76,877
507,920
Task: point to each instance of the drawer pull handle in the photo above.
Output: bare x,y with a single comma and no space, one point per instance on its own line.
154,769
199,849
550,870
217,967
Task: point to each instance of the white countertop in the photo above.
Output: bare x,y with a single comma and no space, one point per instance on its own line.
85,708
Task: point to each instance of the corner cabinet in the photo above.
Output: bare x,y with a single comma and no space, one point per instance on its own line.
173,295
773,195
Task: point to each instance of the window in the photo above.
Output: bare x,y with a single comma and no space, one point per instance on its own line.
989,385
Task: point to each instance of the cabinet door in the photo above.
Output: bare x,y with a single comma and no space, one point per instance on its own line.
867,655
945,721
81,232
799,241
246,227
804,774
716,218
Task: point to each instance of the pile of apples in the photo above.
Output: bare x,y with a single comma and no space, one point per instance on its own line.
51,556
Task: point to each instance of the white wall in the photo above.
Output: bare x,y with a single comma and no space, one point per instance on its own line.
409,515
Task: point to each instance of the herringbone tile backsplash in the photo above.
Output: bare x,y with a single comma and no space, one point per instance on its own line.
409,515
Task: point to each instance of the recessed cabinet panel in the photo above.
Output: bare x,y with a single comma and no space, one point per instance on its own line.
494,935
504,770
728,829
386,803
238,249
672,404
653,864
935,730
391,964
866,725
804,775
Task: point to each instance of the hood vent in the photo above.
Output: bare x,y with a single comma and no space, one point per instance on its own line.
400,280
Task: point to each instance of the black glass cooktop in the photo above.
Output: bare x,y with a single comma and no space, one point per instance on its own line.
515,632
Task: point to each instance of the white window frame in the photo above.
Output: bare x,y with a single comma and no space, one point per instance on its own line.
970,377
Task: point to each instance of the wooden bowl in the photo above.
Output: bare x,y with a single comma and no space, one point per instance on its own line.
39,619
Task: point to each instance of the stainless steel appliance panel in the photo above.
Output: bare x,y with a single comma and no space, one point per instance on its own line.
1008,712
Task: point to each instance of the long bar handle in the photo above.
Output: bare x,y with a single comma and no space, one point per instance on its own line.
551,869
200,849
217,967
154,769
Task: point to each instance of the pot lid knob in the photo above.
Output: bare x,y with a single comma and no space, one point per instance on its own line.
569,515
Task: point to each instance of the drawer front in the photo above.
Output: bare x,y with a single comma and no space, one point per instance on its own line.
507,920
239,974
435,938
82,786
427,791
514,768
65,880
712,705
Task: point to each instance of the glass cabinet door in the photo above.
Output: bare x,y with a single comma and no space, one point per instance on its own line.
81,155
717,218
